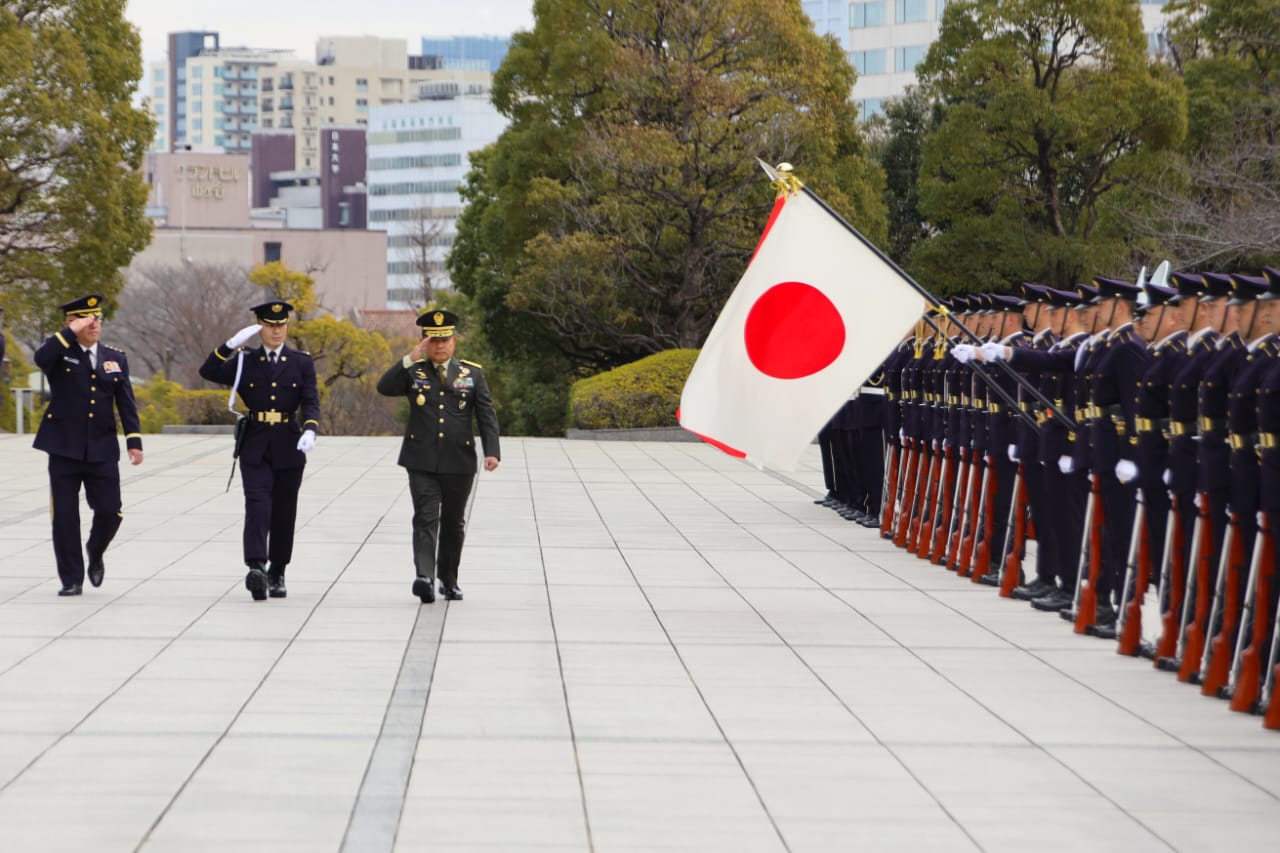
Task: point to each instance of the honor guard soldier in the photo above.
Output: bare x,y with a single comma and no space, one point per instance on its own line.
88,383
278,385
446,397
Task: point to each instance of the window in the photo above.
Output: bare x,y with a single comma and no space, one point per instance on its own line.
362,105
270,252
870,108
197,124
158,108
197,106
867,15
197,71
159,75
906,11
942,7
907,58
159,92
867,61
362,84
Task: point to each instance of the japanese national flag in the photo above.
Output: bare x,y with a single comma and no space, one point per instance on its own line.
816,312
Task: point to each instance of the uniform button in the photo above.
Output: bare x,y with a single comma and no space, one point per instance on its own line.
273,384
442,420
91,402
273,396
91,414
442,405
442,435
93,387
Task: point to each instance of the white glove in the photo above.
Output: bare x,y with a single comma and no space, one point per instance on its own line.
243,335
1167,477
992,351
1126,470
307,441
1198,501
963,352
1066,464
902,435
1261,519
934,445
1013,453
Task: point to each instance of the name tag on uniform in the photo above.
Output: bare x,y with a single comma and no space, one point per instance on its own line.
110,367
69,360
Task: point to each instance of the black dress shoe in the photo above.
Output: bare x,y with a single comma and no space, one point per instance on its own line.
990,579
424,590
1036,589
256,582
275,586
96,571
74,589
452,593
870,521
1055,601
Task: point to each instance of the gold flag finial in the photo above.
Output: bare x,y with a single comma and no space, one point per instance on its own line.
786,183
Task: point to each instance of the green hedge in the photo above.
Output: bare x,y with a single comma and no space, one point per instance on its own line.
163,402
642,394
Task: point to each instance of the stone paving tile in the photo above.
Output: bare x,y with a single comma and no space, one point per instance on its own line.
661,648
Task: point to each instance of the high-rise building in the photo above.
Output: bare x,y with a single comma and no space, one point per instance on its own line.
468,52
183,46
417,159
886,39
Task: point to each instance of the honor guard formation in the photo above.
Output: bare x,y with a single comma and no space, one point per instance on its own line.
1129,430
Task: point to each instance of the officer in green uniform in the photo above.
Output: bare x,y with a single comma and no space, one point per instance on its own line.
446,396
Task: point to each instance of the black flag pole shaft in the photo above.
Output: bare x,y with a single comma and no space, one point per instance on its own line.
936,303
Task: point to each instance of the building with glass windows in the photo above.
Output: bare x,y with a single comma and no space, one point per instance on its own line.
468,52
886,39
417,159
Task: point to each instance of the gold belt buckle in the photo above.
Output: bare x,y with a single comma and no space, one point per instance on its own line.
272,417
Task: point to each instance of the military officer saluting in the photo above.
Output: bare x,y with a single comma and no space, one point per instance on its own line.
446,396
278,385
86,379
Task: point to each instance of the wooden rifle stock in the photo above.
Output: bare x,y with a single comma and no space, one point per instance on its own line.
889,500
924,519
1137,572
1248,670
1087,611
1011,573
937,549
1193,634
1172,589
1215,669
963,494
987,520
909,496
973,504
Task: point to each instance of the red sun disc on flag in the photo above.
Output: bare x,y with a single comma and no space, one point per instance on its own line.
793,331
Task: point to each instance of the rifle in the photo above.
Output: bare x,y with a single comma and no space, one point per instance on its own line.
1015,537
937,486
964,494
889,482
909,496
1246,671
942,529
1224,615
1271,710
1087,611
930,486
1193,635
1137,572
1173,580
973,506
987,518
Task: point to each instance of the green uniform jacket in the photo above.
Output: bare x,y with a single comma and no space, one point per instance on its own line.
439,437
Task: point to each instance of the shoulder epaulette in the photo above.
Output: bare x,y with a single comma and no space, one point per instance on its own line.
112,348
472,363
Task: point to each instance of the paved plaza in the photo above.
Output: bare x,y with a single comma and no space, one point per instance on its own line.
661,649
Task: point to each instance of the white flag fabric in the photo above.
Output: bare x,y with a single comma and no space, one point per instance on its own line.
815,313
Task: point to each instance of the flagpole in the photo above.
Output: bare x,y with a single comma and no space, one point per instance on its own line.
787,182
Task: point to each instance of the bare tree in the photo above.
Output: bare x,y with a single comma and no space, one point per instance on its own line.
426,243
170,317
1219,209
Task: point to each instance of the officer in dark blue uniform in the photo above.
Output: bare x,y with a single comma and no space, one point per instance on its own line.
86,379
278,385
448,397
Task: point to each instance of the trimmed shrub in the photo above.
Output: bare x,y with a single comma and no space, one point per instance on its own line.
642,394
163,402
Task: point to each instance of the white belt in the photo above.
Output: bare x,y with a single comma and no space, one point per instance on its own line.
867,389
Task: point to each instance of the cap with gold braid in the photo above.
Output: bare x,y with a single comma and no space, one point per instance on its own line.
85,306
274,313
438,323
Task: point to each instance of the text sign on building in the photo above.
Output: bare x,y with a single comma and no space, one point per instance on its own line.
208,181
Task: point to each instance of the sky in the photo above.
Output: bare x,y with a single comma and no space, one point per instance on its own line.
296,24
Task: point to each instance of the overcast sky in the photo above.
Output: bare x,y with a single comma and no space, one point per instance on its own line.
296,24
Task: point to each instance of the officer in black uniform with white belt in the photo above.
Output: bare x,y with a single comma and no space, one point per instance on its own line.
278,385
78,431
